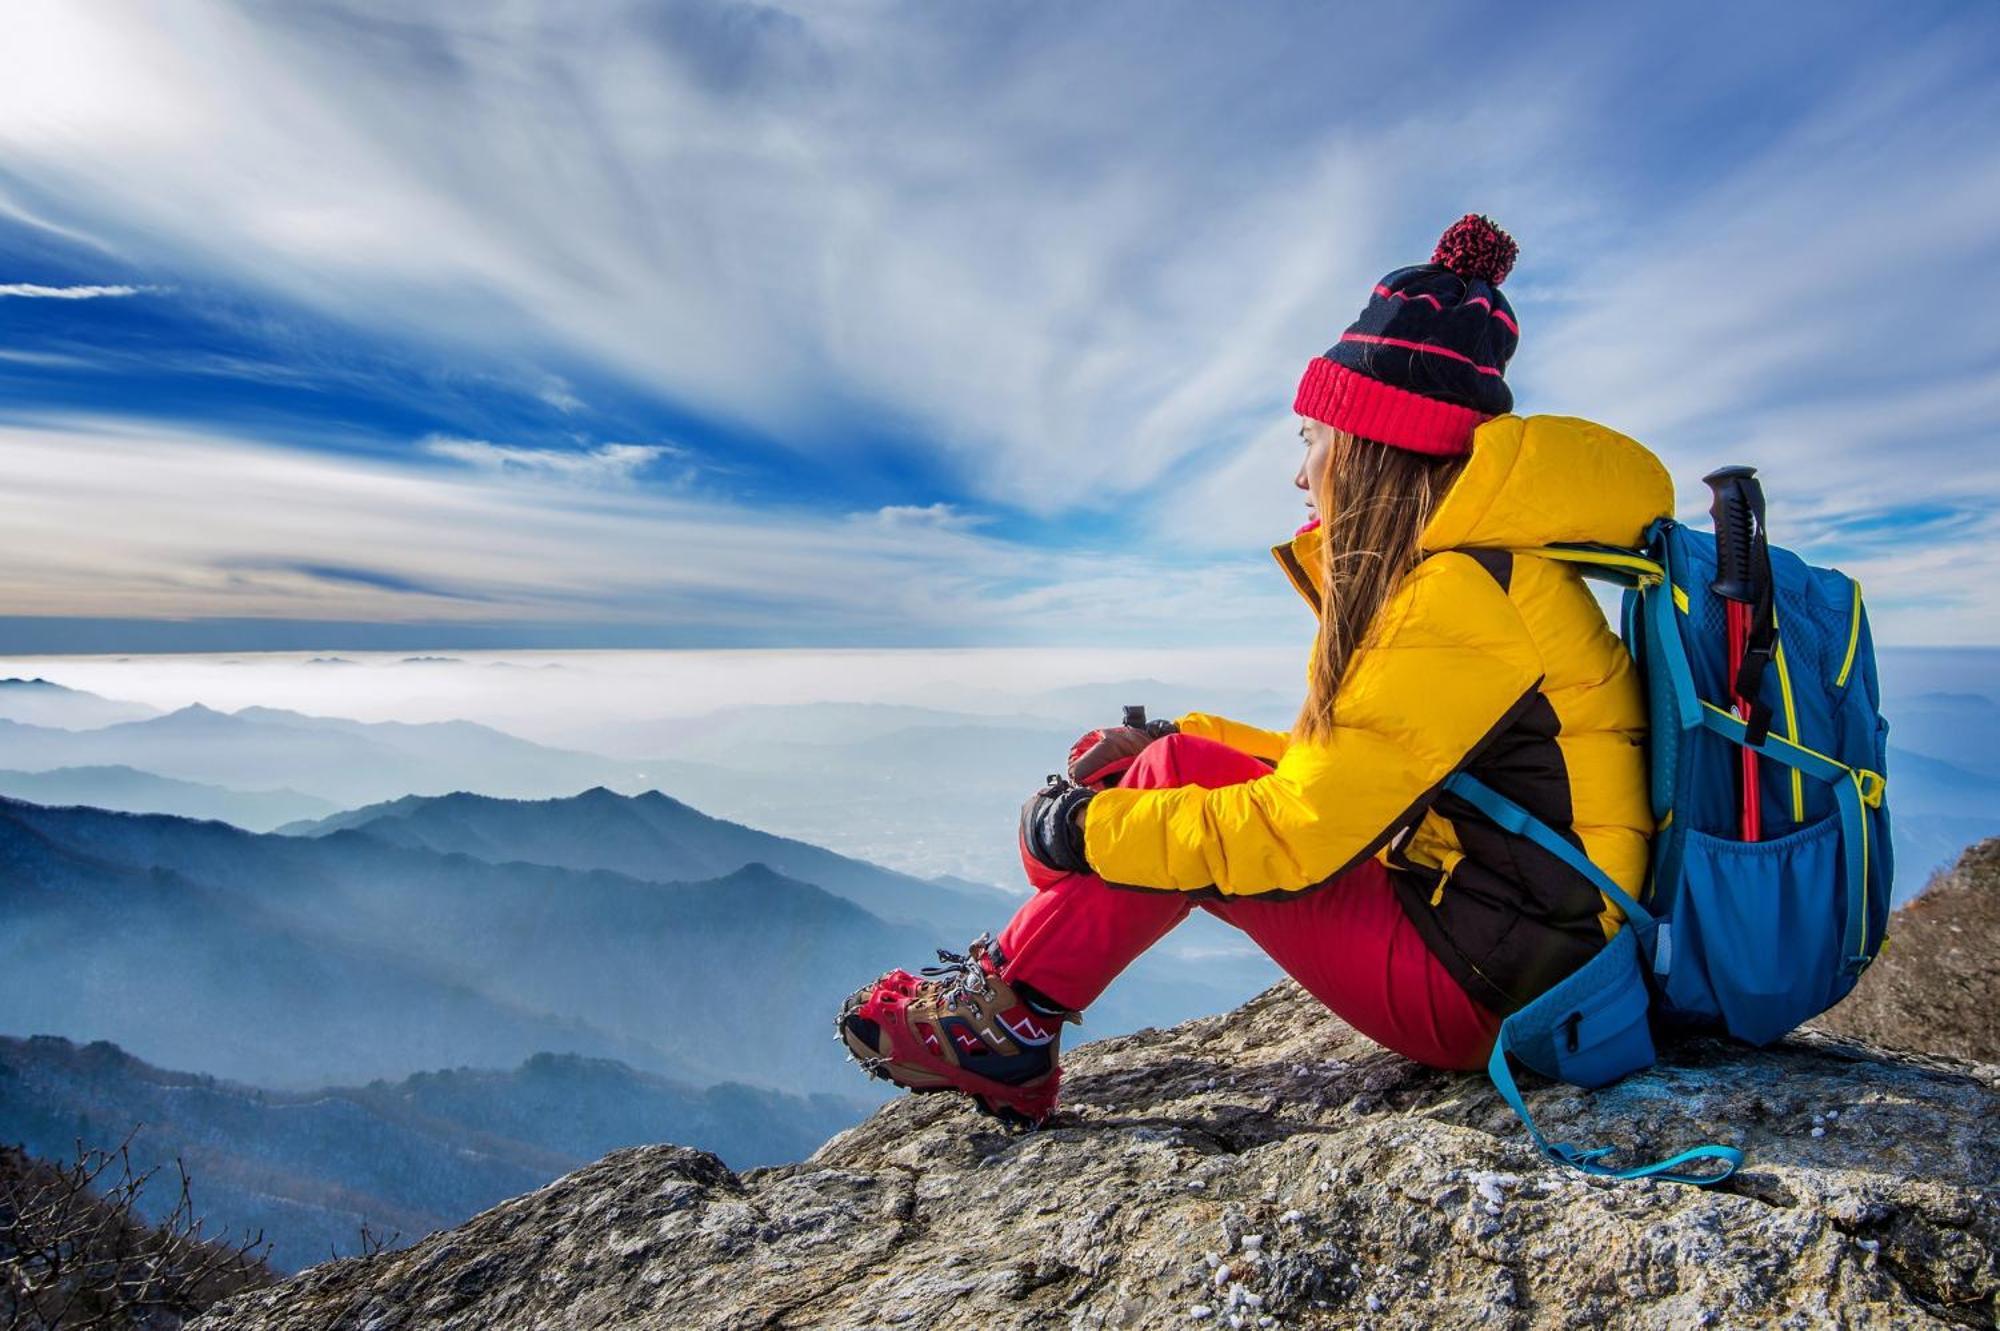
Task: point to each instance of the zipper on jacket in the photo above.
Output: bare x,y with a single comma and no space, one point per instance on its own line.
1445,872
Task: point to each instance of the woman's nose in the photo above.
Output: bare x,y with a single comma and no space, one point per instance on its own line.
1300,479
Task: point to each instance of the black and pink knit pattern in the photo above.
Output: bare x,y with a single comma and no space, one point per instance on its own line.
1440,332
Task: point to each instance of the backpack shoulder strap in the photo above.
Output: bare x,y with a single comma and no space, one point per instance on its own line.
1612,563
1511,817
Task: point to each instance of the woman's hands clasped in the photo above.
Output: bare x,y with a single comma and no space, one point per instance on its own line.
1052,817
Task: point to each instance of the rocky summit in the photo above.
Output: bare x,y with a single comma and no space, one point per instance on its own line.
1936,986
1265,1168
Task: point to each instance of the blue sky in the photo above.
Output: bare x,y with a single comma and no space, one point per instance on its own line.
404,325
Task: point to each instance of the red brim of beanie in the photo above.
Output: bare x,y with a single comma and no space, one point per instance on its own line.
1348,400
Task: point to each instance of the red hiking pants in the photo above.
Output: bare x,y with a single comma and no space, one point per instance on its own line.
1347,942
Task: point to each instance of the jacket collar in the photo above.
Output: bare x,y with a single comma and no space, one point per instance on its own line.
1301,558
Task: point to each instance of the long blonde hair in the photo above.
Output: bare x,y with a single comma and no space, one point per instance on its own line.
1381,499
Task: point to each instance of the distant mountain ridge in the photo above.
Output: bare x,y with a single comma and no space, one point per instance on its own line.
834,774
129,790
600,829
215,980
298,960
1960,728
43,702
345,762
310,1167
652,835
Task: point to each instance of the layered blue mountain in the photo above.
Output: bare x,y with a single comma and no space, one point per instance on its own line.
43,702
651,835
132,791
295,961
331,758
1938,809
638,834
410,1156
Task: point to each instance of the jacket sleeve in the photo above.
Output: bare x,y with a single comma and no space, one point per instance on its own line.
1253,740
1452,664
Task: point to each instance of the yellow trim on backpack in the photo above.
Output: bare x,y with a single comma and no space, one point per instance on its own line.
1649,571
1791,731
1680,599
1853,637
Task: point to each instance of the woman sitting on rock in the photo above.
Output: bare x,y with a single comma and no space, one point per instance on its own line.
1446,642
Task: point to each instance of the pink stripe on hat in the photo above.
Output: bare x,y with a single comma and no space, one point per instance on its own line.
1430,348
1501,315
1436,304
1351,401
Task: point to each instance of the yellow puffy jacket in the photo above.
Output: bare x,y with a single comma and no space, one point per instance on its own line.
1488,659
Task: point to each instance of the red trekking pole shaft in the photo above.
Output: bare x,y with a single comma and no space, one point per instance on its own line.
1739,636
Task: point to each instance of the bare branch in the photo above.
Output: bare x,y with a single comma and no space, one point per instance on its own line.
77,1254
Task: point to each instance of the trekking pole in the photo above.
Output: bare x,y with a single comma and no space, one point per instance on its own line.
1743,581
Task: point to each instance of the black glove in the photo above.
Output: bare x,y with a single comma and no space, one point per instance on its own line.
1050,831
1100,758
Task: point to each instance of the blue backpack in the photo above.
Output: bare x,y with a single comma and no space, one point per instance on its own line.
1740,937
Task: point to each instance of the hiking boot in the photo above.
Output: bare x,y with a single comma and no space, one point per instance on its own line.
963,1029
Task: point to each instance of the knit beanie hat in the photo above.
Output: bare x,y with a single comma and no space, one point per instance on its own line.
1422,365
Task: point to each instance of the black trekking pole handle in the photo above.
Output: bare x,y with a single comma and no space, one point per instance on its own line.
1743,574
1737,509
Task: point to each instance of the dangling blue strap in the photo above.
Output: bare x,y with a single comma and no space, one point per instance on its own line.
1565,1154
1510,816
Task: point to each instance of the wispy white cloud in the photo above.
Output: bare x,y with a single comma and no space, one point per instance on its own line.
19,214
556,392
46,360
187,524
603,464
32,291
935,517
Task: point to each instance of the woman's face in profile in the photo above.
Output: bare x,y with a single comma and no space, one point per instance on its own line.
1317,438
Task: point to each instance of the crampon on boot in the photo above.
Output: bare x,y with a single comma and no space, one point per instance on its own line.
965,1029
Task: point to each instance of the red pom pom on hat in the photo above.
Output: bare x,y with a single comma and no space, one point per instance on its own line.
1474,247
